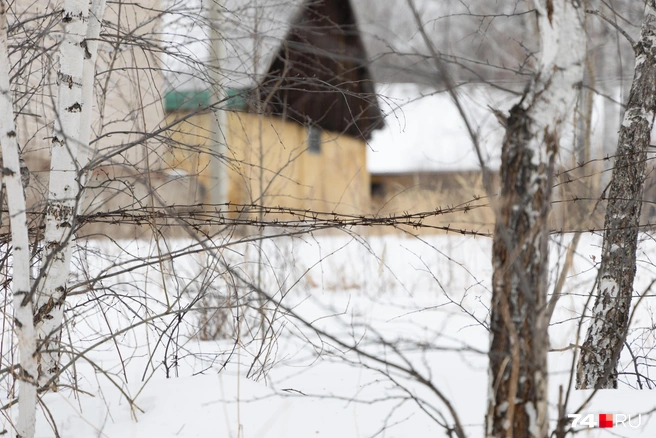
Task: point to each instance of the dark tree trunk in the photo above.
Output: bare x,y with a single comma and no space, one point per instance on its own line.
517,404
520,257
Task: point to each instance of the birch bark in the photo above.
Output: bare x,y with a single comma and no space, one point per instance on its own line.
23,323
600,353
64,190
517,402
96,13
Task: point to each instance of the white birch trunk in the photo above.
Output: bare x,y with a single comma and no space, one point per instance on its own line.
600,352
23,323
96,14
64,188
517,403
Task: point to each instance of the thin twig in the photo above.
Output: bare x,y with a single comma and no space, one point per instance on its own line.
612,23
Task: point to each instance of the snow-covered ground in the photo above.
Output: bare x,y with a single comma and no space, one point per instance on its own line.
419,303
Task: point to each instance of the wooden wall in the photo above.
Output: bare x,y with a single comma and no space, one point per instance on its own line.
269,164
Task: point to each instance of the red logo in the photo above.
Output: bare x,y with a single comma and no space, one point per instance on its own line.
606,420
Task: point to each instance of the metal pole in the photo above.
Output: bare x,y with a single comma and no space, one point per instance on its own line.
218,126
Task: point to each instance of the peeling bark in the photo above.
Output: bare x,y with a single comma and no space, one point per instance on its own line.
11,173
600,353
517,404
69,143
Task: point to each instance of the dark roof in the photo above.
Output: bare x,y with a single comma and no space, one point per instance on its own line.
320,75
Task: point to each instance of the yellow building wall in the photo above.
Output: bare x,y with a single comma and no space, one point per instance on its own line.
269,164
187,158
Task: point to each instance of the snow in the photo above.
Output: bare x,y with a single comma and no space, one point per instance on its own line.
362,290
425,132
